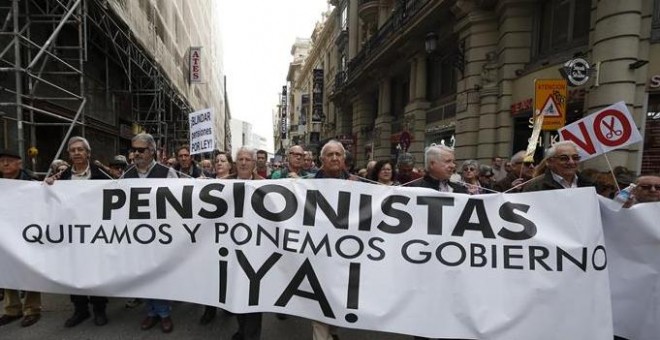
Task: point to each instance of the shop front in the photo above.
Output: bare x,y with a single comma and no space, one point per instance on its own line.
651,129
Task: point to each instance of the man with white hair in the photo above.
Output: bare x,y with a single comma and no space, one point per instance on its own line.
562,160
333,165
440,165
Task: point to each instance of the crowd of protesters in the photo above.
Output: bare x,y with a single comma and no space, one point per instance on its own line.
560,169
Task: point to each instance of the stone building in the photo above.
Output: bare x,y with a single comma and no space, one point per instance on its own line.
409,73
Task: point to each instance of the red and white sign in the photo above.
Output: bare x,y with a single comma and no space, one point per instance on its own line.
608,129
195,65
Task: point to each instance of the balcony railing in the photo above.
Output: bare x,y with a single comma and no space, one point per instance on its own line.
368,9
340,81
398,21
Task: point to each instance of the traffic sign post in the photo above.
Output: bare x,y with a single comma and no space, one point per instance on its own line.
550,100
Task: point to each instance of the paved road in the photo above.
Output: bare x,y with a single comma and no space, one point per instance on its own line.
125,324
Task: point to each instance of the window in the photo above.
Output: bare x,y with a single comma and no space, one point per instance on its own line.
655,22
563,24
441,78
344,18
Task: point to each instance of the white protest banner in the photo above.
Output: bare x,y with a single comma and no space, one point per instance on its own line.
202,131
610,128
403,260
632,237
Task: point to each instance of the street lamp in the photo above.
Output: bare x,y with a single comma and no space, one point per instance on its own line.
431,42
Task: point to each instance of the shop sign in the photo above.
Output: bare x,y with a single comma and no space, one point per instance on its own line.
577,71
654,83
195,65
283,113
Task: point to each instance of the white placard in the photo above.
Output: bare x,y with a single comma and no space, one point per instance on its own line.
202,131
610,128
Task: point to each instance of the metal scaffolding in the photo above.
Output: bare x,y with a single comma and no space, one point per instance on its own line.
48,77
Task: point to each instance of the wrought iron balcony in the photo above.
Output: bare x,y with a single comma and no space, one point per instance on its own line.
398,21
368,9
340,81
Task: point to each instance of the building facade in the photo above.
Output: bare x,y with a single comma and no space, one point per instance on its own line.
115,68
410,73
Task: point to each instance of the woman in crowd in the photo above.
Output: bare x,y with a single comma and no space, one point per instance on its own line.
383,173
605,184
486,176
470,176
224,165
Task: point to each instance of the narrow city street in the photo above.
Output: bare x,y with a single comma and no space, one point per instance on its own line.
125,324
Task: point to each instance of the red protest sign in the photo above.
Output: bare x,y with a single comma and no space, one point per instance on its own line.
603,131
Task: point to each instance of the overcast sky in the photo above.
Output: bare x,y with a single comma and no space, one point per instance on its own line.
257,37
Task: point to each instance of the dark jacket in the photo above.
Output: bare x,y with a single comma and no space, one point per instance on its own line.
546,182
505,183
343,175
158,171
196,172
432,183
23,175
96,173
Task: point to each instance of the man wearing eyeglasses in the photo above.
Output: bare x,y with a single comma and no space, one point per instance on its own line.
295,168
562,161
647,189
521,172
143,147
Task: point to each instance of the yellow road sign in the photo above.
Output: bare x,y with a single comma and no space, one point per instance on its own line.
550,97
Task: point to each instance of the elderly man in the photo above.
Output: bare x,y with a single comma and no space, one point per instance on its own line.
249,324
647,189
11,168
143,147
333,165
521,171
83,169
562,161
498,169
294,169
440,165
186,167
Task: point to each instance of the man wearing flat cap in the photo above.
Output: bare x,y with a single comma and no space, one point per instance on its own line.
30,310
